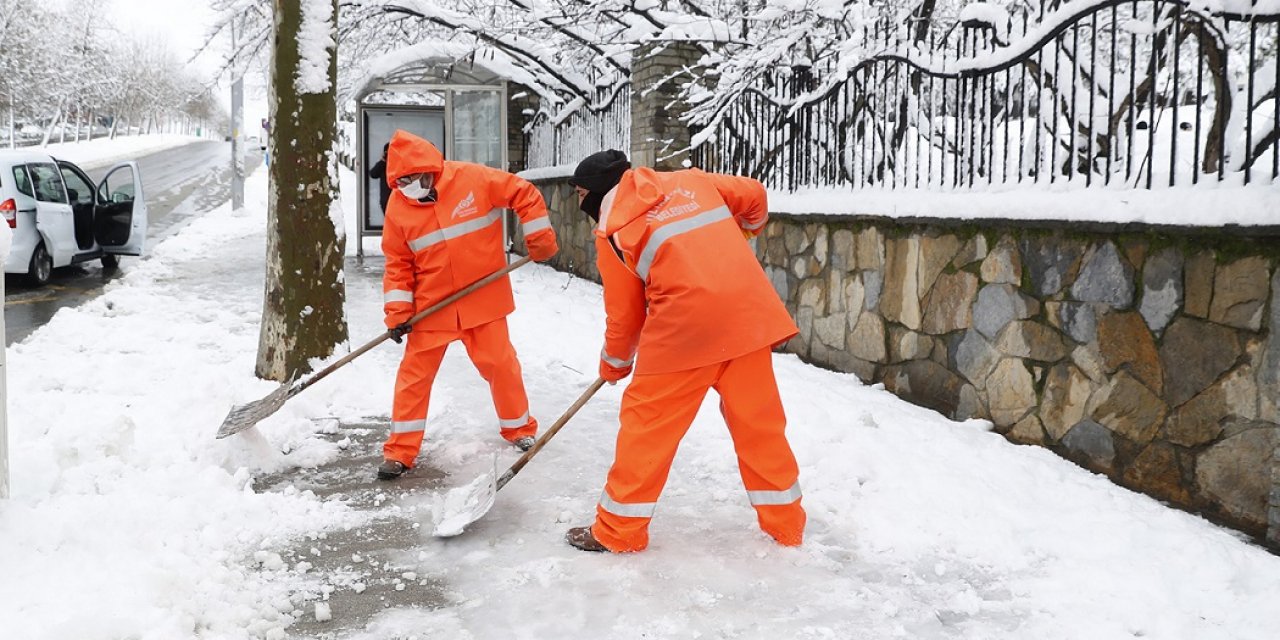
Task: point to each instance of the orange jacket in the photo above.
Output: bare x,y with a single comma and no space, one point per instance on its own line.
434,249
686,291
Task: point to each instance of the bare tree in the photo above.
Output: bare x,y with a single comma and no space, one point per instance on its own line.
302,316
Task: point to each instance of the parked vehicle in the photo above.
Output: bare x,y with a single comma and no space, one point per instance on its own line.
60,217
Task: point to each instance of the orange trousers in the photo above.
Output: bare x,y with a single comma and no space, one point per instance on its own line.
657,410
489,347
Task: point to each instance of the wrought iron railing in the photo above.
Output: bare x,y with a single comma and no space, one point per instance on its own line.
582,130
1097,92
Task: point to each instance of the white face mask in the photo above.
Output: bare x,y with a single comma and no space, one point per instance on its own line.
415,191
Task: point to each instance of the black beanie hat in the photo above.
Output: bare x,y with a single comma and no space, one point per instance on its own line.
600,171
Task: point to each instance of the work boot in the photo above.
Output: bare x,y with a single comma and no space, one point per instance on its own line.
391,469
582,538
524,443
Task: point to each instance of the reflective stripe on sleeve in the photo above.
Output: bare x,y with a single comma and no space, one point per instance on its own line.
408,426
536,225
774,498
397,295
514,422
666,232
454,231
633,510
752,227
614,361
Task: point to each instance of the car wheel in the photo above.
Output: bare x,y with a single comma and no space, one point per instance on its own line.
110,261
41,267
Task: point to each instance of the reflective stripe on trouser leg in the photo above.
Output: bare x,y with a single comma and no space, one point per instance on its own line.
489,346
417,372
657,410
752,408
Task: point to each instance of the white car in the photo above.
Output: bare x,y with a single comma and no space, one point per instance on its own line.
60,217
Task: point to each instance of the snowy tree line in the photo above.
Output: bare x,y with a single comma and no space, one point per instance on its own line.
67,72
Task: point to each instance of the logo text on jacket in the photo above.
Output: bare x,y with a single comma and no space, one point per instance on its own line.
467,207
666,209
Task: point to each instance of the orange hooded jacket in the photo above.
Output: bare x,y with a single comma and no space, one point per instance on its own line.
682,289
436,248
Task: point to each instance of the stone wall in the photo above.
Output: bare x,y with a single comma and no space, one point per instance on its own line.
1144,354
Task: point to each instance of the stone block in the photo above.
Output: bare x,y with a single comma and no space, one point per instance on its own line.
1234,473
1194,353
852,297
1157,471
971,404
867,340
844,255
905,344
1201,419
820,244
1011,393
1161,289
1091,445
1004,264
925,383
1129,408
1050,263
1027,431
1066,398
998,305
900,301
974,249
974,357
1076,319
1125,340
873,284
1032,340
1105,277
949,305
870,249
935,253
813,295
1240,293
830,330
1198,279
1268,367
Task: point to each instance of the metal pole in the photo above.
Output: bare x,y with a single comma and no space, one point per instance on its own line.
237,124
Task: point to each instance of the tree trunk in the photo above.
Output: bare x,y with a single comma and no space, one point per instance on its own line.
12,129
302,316
89,133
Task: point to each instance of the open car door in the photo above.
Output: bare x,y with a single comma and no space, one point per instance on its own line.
120,222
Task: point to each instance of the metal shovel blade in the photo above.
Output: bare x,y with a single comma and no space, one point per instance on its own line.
247,415
463,505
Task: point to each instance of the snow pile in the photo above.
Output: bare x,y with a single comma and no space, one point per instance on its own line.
315,47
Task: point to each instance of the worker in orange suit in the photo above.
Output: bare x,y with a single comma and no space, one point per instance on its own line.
443,231
688,303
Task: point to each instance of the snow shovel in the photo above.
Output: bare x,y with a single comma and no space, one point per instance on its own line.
247,415
464,505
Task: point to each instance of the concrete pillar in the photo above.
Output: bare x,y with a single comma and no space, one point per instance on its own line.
659,138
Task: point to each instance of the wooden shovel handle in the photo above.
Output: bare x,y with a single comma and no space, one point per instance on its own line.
546,437
453,297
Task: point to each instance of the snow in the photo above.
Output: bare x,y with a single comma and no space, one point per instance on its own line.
315,47
1251,205
128,520
105,151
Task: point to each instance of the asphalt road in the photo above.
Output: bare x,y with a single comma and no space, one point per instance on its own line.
179,184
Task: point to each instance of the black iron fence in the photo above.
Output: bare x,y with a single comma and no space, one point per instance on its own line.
580,129
1096,92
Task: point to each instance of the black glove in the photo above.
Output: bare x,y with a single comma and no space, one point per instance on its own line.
397,332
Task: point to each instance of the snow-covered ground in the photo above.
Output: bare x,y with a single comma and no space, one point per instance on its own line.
128,520
104,151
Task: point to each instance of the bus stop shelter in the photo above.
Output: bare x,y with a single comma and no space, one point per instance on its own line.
458,105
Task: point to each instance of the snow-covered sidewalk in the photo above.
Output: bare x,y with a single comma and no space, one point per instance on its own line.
130,521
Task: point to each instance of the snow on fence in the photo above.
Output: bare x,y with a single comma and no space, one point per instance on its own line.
579,129
1139,93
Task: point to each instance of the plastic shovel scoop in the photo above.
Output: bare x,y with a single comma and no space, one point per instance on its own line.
463,505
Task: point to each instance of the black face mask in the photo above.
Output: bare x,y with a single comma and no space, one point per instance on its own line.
591,205
431,196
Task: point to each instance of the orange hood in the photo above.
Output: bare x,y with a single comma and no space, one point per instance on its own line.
409,154
637,192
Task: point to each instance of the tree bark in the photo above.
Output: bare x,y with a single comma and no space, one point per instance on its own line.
302,315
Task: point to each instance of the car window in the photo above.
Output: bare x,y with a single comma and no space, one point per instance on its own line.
47,181
22,181
78,188
117,186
